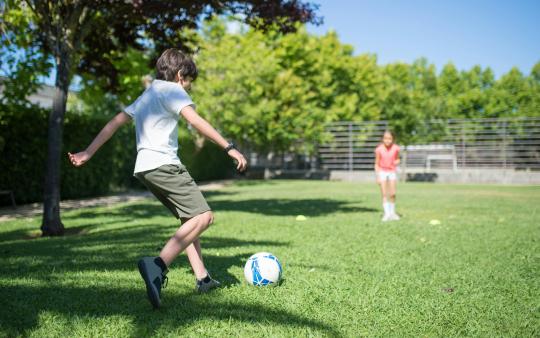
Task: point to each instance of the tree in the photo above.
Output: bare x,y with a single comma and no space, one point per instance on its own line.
86,37
508,96
272,91
533,108
21,62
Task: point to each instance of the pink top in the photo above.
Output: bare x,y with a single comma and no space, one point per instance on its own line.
387,156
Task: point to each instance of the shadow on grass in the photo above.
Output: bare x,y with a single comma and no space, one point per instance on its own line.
46,260
253,182
116,249
215,193
289,207
109,241
22,306
270,207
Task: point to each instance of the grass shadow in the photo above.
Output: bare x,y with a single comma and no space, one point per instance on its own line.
270,207
179,310
253,182
116,249
216,193
290,207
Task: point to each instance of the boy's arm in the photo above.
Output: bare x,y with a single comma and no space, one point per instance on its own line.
110,128
207,130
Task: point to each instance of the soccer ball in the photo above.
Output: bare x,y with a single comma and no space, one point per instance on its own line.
262,268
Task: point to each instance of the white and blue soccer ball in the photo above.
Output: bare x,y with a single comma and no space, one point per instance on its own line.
262,268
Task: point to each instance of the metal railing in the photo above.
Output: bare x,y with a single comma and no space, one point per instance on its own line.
504,143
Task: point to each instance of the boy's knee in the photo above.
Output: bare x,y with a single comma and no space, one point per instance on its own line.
206,219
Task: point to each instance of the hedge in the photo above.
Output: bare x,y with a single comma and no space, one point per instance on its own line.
23,148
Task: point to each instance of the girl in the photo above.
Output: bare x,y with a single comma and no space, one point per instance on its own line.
386,160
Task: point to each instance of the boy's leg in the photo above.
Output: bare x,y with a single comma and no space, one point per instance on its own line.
154,269
204,282
185,235
193,251
175,188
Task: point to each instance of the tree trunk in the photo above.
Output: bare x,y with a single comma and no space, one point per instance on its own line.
52,224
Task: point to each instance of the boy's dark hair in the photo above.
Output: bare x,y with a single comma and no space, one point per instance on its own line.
173,61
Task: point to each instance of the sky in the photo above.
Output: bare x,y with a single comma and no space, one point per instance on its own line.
498,34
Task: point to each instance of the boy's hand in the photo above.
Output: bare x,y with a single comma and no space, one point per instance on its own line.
240,159
79,159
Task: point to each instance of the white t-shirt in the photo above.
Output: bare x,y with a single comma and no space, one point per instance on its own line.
156,113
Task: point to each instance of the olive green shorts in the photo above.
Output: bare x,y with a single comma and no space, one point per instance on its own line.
175,188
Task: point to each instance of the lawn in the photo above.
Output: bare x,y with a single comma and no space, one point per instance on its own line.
345,273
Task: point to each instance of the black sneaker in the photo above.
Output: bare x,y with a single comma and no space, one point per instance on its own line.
154,278
206,284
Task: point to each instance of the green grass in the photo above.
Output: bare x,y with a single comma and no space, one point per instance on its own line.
345,272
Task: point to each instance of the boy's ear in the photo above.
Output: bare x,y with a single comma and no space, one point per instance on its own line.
178,76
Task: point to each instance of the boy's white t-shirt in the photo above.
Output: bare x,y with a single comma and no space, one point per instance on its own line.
156,113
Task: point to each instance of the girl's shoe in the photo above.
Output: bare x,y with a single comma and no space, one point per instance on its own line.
386,218
394,217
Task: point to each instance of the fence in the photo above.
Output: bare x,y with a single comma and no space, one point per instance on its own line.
501,143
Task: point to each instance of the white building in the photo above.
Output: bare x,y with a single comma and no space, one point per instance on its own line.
43,97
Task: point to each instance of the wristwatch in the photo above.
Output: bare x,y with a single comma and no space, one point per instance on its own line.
229,147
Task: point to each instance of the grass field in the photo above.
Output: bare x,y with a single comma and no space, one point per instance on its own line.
477,273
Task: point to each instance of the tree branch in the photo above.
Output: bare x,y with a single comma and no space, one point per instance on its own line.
41,10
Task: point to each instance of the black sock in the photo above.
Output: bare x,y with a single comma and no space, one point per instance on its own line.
160,263
206,279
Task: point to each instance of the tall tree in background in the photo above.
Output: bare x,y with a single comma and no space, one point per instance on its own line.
534,87
274,91
87,36
302,81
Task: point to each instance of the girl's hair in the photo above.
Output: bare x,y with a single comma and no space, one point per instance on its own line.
173,61
388,131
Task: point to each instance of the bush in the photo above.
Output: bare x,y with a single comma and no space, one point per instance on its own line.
23,149
209,162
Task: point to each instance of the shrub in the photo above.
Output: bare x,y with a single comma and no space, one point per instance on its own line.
23,149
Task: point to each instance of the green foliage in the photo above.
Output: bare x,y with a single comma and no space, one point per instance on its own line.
25,134
22,152
270,90
208,162
22,63
96,36
275,92
94,99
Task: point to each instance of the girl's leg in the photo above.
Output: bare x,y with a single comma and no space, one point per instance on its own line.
391,191
388,195
193,252
392,196
382,184
184,236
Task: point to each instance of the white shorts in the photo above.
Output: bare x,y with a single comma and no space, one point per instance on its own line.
387,175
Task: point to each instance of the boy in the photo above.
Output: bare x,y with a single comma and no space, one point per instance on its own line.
156,113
